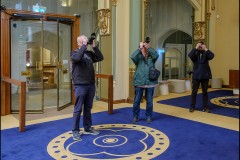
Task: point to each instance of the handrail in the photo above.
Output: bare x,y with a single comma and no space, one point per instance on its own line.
110,90
22,100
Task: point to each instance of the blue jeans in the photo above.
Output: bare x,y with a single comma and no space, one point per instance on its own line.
84,95
137,100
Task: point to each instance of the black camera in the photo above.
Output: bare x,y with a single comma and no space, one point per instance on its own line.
91,39
147,40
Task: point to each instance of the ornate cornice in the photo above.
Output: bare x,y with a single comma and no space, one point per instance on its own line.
103,21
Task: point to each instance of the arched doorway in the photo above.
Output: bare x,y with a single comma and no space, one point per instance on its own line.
172,64
175,62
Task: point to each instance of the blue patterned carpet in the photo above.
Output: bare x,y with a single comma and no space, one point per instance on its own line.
167,138
221,102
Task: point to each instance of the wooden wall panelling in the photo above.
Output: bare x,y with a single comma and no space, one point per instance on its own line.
5,62
233,78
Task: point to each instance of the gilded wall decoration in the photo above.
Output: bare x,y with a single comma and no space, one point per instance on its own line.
199,30
104,21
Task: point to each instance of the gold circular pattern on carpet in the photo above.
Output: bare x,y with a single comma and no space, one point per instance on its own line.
161,142
222,101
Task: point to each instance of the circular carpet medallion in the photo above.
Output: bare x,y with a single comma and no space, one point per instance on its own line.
116,141
229,101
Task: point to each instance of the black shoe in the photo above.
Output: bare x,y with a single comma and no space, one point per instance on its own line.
135,120
206,110
149,120
191,109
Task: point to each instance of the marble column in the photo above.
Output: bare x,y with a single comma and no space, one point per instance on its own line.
135,38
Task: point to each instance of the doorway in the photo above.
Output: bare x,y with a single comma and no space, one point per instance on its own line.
40,52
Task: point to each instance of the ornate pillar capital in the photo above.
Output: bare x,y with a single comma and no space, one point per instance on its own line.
208,15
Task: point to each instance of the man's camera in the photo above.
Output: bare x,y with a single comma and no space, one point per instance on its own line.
91,39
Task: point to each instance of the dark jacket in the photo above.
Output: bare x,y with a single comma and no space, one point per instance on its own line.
141,75
201,68
82,65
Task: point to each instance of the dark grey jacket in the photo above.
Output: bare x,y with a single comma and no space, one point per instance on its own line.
201,68
82,65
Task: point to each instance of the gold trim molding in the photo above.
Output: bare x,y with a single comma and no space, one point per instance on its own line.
104,21
114,2
199,30
131,71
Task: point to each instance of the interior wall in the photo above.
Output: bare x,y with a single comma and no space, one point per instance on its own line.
224,38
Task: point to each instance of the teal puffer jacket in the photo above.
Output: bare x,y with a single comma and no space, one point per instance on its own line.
141,75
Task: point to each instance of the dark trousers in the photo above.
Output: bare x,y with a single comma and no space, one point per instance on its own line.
84,95
204,84
137,100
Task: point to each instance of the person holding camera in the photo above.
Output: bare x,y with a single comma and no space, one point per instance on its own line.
144,58
201,74
83,77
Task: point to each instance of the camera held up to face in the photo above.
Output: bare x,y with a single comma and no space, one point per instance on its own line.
91,38
147,40
199,45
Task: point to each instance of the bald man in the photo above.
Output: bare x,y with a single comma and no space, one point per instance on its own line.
83,77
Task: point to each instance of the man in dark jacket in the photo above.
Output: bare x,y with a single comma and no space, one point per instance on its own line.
83,77
201,74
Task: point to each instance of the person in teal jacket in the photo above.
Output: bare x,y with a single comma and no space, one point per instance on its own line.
144,58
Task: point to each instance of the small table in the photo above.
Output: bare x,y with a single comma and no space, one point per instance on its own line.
163,87
188,84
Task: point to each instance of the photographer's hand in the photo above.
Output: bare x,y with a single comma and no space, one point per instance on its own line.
198,45
93,44
204,47
146,45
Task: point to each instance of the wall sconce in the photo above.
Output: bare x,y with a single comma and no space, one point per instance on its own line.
64,3
103,21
